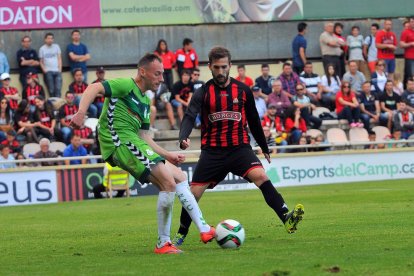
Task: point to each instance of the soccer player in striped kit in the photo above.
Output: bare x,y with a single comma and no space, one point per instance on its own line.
227,106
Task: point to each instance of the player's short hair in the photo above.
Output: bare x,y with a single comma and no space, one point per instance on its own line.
241,66
302,26
147,59
218,52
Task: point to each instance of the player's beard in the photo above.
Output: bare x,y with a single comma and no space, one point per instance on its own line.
221,79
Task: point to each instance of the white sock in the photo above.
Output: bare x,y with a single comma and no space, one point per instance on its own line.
164,214
190,204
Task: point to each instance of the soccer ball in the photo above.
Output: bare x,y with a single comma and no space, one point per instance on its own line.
229,234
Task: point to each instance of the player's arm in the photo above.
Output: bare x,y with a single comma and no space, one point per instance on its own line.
88,97
190,115
254,123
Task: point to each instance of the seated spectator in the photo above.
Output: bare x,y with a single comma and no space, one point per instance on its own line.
347,106
13,144
78,86
75,149
32,90
269,139
312,82
241,69
66,113
295,125
46,153
303,102
354,77
271,120
403,121
182,93
6,118
99,100
331,84
264,81
389,104
379,77
9,92
397,84
162,102
279,98
24,123
316,141
100,188
197,83
87,138
260,103
289,79
369,105
6,156
20,156
44,119
153,109
408,95
372,137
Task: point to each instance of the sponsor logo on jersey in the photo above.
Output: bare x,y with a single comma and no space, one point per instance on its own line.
224,115
235,101
149,152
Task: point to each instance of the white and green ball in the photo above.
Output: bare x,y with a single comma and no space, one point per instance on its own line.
230,234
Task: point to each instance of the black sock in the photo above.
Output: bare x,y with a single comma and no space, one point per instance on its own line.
185,222
274,199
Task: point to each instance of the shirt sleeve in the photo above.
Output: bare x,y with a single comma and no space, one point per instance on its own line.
117,87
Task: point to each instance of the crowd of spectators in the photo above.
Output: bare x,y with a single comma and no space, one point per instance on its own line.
359,84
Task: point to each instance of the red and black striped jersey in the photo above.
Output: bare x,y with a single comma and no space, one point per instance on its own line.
84,133
99,98
30,93
67,111
225,114
10,91
77,88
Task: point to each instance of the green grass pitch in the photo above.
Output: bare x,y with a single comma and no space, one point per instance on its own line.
353,229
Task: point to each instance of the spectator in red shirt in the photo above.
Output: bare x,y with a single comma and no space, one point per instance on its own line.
13,144
271,120
407,43
186,57
8,92
347,106
168,61
386,42
338,29
44,119
66,113
295,125
241,69
24,124
32,90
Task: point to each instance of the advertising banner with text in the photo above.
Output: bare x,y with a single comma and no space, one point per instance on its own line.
46,14
24,188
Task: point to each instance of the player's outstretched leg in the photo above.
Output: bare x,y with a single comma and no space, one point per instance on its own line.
190,207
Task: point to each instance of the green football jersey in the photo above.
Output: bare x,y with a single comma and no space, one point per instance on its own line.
126,110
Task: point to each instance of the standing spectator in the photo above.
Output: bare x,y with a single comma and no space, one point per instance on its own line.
168,61
354,77
32,90
4,64
338,29
78,86
289,79
51,65
241,69
347,106
182,93
279,98
27,59
186,57
46,153
12,142
369,105
389,104
75,149
403,121
407,43
259,102
355,43
6,118
44,119
303,102
8,92
386,42
5,155
24,125
331,84
264,81
379,77
312,82
295,125
370,49
66,113
78,54
100,99
331,49
299,45
408,95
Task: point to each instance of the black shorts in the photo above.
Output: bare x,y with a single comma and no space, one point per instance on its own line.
215,164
